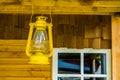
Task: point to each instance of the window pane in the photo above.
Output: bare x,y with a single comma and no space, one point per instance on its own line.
69,78
69,63
94,63
94,78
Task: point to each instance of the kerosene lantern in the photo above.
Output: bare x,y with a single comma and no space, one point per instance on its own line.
39,45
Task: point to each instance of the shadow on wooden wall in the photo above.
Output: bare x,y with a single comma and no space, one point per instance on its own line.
72,31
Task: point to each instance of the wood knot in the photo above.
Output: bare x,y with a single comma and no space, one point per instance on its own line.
86,2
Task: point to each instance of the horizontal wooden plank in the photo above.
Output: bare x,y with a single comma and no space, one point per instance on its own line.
59,10
23,67
100,3
64,7
13,45
49,78
25,74
13,54
14,60
22,78
12,48
15,74
107,3
8,1
41,73
13,42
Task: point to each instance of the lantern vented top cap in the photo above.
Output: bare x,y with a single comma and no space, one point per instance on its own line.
43,18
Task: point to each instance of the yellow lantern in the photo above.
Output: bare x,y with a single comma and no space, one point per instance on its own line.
39,45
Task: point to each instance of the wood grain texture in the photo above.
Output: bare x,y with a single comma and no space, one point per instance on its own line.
12,48
61,7
14,62
97,43
115,47
67,29
106,44
12,45
12,42
24,67
86,43
40,74
22,78
107,28
13,54
79,42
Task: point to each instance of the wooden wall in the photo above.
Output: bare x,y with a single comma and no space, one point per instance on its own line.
72,31
14,26
14,63
82,31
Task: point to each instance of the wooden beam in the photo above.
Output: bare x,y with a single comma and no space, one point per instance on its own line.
115,47
57,10
7,1
104,3
63,7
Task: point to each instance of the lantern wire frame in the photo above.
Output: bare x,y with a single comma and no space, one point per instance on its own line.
40,59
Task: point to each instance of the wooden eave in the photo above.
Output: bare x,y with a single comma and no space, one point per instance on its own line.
62,7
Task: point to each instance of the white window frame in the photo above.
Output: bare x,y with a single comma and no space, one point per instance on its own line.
55,74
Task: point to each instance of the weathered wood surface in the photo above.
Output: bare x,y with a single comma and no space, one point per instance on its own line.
60,7
116,47
82,32
13,42
12,45
68,31
71,33
13,60
12,54
40,74
23,78
24,67
14,63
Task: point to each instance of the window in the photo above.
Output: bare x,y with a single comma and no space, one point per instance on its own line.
81,64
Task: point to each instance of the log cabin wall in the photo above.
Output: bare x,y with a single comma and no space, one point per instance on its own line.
71,31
